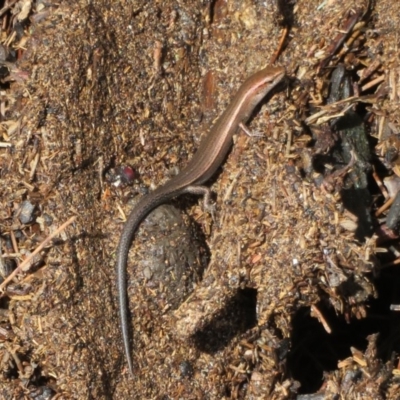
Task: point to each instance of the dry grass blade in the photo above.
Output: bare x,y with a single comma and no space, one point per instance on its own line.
36,251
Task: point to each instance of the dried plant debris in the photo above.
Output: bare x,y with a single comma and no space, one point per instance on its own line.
290,292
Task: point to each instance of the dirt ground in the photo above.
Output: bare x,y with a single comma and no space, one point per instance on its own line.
291,291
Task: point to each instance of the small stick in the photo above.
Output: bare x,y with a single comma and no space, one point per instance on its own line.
36,251
338,41
7,7
372,83
321,318
280,46
384,207
15,357
391,264
380,184
14,242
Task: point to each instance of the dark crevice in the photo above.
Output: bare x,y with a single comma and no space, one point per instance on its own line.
238,316
315,351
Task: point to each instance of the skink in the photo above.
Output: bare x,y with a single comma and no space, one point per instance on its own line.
205,162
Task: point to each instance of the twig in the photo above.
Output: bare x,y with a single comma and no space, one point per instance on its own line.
7,7
340,38
38,249
321,318
380,184
280,46
372,83
384,207
391,264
